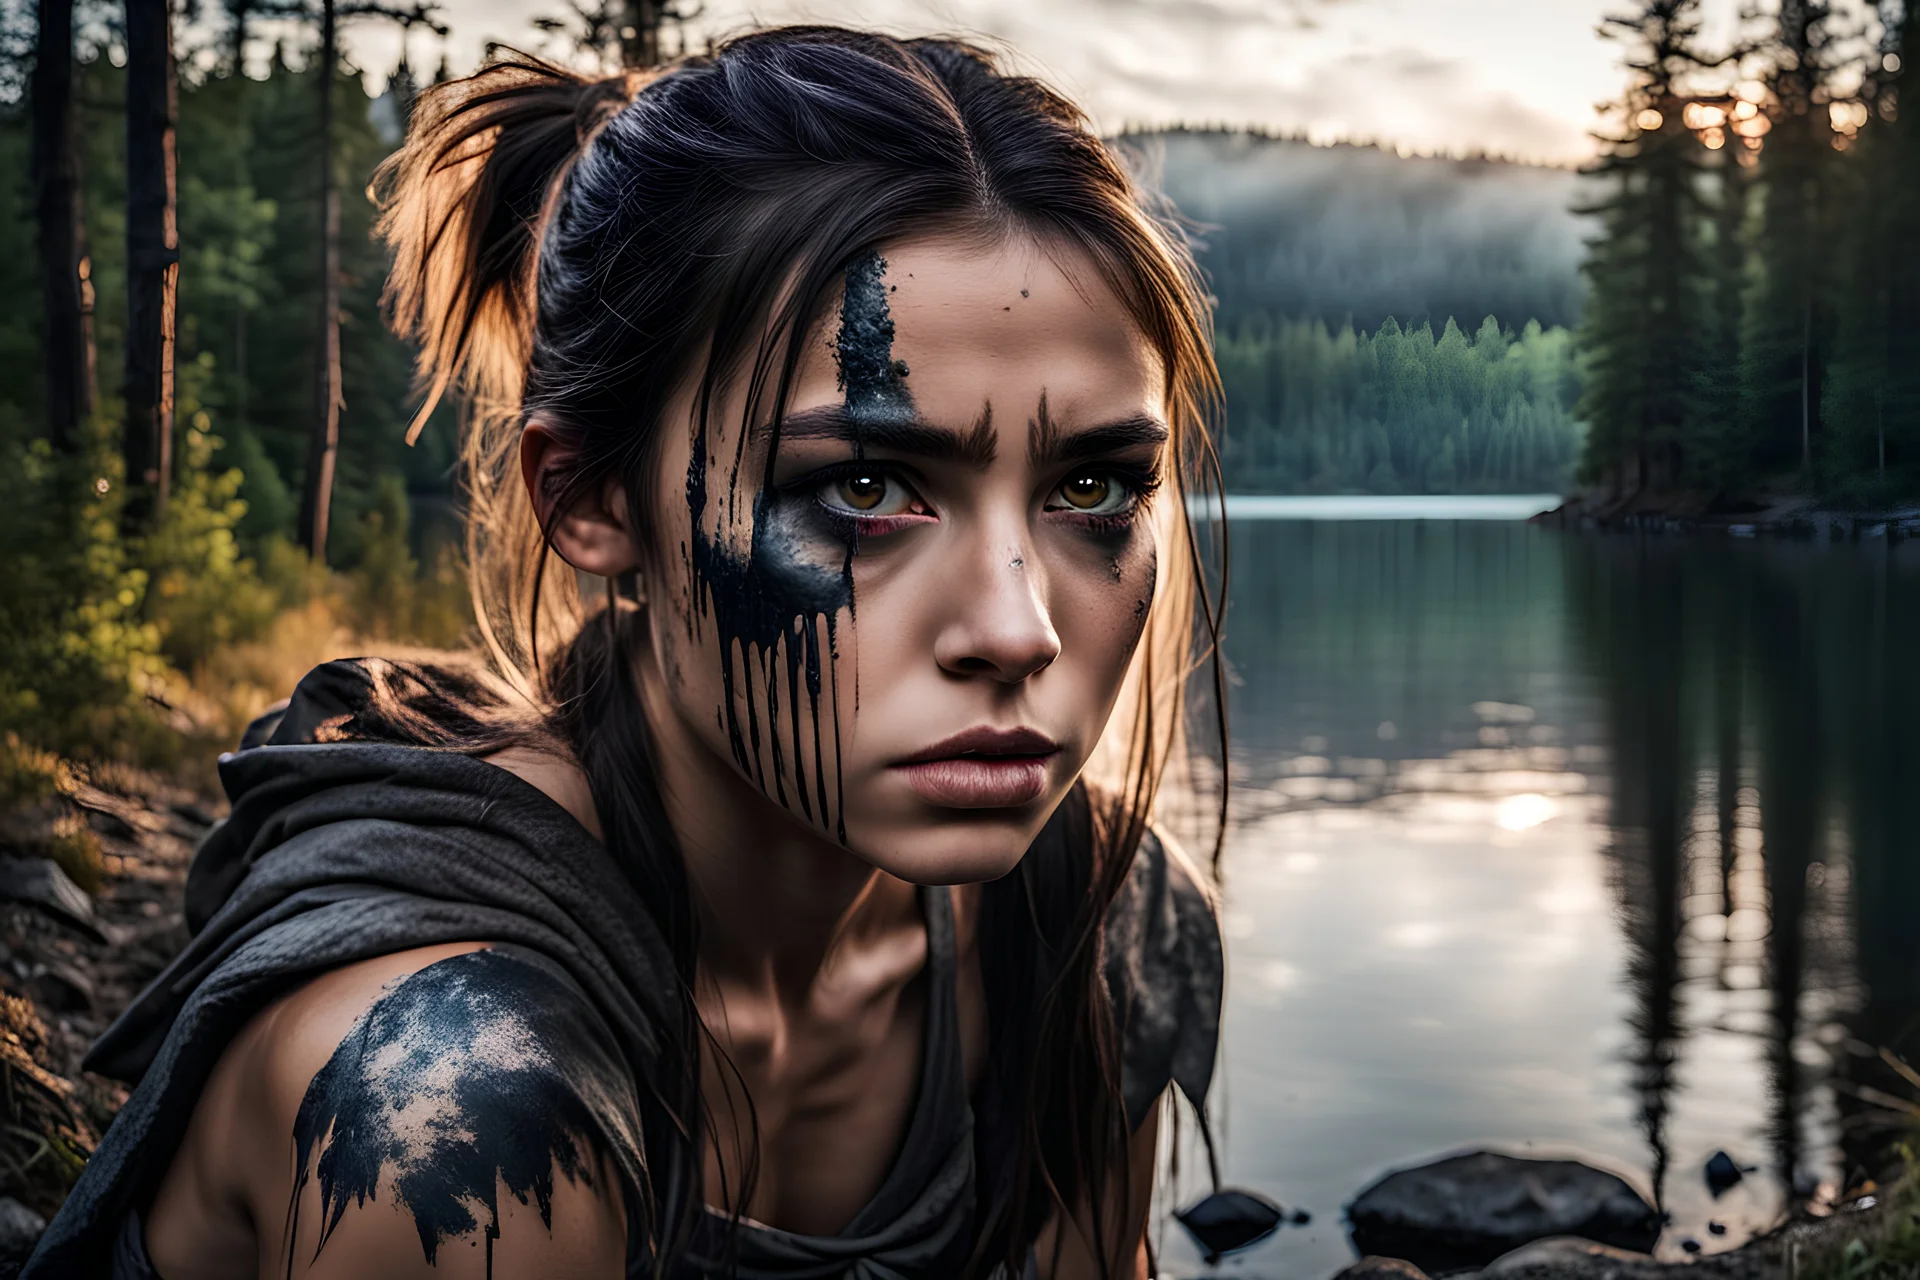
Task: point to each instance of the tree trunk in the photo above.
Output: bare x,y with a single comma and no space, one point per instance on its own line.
153,260
67,291
317,491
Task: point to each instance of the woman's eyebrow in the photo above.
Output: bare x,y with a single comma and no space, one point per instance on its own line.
1048,445
909,435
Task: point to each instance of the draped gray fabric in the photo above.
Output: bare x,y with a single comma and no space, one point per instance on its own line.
344,851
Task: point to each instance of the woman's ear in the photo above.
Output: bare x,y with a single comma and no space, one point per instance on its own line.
594,533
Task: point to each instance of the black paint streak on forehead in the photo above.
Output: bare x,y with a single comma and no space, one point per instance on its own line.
874,382
478,1070
773,604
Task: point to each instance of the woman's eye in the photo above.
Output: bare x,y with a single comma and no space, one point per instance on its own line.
867,493
1092,493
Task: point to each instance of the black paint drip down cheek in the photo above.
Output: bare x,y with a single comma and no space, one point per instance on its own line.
778,605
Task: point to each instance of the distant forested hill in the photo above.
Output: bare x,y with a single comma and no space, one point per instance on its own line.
1300,232
1349,280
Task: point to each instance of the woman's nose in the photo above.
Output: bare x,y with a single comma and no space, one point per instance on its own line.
999,626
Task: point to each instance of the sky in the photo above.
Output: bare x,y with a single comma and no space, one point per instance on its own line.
1513,77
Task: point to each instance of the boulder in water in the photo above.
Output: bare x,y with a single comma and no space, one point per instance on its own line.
1230,1219
1371,1268
1565,1258
1723,1174
1466,1210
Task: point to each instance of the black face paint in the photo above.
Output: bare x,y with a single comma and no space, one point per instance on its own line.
797,574
874,381
472,1072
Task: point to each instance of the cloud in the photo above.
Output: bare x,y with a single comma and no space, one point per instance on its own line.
1391,70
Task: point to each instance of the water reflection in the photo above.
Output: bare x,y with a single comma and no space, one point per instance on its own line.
1570,846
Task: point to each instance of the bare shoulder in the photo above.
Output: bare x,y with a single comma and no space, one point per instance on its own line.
434,1112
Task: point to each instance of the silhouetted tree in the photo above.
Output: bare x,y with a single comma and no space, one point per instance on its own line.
1647,343
316,489
1871,401
618,33
1790,322
153,258
67,291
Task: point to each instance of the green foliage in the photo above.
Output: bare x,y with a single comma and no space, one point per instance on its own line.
114,646
1888,1245
204,593
78,657
1315,410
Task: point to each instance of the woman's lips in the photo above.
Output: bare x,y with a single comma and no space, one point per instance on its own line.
982,769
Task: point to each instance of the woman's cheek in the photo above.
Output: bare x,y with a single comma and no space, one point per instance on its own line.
1111,596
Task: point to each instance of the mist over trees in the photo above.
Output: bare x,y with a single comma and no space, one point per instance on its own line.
1284,228
1348,282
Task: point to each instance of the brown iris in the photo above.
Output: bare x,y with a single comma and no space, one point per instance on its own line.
863,493
1086,492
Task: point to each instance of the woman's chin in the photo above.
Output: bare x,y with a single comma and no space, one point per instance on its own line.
981,846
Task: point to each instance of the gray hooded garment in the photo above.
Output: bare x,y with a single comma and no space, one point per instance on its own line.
341,851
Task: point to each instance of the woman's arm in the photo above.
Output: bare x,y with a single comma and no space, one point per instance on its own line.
1069,1254
410,1116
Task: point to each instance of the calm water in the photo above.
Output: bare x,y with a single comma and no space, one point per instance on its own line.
1563,845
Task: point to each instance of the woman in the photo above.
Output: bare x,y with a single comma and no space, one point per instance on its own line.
784,906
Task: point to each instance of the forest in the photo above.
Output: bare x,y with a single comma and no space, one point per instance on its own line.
204,415
1314,409
1384,323
1752,325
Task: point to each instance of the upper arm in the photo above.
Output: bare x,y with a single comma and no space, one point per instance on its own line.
450,1111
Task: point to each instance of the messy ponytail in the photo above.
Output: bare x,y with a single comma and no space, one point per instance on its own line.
578,251
462,204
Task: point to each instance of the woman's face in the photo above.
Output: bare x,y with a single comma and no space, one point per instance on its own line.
909,629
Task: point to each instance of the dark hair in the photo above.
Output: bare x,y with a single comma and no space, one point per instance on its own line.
578,251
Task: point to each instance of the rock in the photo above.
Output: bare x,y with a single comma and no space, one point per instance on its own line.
1230,1219
1723,1173
62,988
1467,1210
111,823
1372,1268
193,813
20,1229
40,883
1561,1255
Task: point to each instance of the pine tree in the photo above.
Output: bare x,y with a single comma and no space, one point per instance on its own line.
1871,404
65,268
1644,334
153,259
1789,332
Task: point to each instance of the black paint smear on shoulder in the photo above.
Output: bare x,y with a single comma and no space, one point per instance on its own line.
475,1071
790,586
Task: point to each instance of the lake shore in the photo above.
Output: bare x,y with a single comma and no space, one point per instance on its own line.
1779,516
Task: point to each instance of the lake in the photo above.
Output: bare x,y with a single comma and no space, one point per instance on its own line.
1565,845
